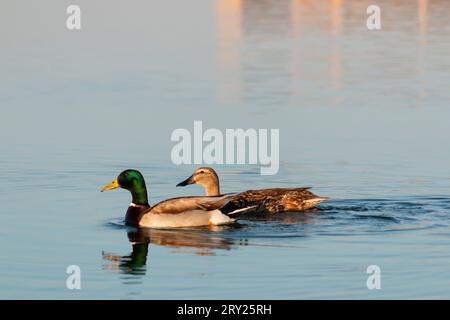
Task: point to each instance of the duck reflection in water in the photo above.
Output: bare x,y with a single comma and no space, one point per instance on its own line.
204,241
134,263
187,241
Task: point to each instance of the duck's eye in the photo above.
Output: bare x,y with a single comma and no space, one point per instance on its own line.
202,171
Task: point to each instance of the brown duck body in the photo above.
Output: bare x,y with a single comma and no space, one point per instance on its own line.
276,200
272,200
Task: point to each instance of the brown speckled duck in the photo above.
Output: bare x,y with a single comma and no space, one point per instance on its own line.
264,201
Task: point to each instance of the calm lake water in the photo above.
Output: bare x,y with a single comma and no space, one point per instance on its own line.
363,118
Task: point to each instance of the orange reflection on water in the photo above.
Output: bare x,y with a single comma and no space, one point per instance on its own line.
296,17
266,48
229,35
422,13
336,16
422,7
335,54
296,23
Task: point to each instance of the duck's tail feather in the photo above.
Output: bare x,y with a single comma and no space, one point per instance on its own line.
310,203
242,210
318,199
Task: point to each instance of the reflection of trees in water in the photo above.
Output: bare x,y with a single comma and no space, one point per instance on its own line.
266,46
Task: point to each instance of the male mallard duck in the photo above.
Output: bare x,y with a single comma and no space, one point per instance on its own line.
176,212
265,200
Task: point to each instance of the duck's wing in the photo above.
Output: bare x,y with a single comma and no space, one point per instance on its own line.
277,199
184,204
275,193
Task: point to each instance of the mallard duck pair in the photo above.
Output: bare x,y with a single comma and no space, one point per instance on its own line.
212,209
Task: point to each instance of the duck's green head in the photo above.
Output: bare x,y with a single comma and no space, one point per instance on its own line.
133,181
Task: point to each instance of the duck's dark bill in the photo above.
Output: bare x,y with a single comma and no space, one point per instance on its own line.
186,182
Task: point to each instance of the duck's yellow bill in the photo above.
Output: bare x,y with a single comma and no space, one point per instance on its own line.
112,185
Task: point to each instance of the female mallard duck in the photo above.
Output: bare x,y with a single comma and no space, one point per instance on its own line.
176,212
265,200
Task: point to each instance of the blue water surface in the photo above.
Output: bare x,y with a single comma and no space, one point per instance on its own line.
363,118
